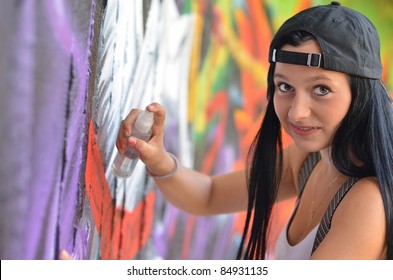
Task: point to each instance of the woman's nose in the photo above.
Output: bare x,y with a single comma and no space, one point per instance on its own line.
300,107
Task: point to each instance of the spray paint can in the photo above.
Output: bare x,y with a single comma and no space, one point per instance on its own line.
124,164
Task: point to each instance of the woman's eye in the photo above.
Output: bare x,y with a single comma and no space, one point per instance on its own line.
284,87
321,90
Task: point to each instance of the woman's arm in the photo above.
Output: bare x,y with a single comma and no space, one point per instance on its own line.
201,194
187,189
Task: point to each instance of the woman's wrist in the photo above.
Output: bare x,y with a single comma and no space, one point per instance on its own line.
166,175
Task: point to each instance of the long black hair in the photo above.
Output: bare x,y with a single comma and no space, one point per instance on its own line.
365,135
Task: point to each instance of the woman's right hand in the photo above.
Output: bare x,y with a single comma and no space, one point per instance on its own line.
152,153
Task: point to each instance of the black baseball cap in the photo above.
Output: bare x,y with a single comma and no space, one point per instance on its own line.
349,41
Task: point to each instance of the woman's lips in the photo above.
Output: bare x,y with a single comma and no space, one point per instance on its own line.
304,130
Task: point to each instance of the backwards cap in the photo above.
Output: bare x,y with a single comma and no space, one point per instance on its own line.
349,41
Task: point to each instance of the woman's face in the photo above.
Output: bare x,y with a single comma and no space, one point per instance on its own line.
310,102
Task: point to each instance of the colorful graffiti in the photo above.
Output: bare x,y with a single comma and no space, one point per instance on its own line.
84,65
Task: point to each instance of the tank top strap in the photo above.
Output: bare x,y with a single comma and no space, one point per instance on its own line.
325,224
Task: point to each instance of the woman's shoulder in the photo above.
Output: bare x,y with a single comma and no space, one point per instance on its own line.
358,225
365,191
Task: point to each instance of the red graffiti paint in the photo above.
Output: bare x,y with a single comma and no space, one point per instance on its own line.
123,233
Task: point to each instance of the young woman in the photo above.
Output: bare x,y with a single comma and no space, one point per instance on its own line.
325,90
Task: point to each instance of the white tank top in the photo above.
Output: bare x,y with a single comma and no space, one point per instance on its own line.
301,251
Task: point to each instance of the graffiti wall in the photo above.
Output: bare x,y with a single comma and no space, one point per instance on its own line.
44,51
70,71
